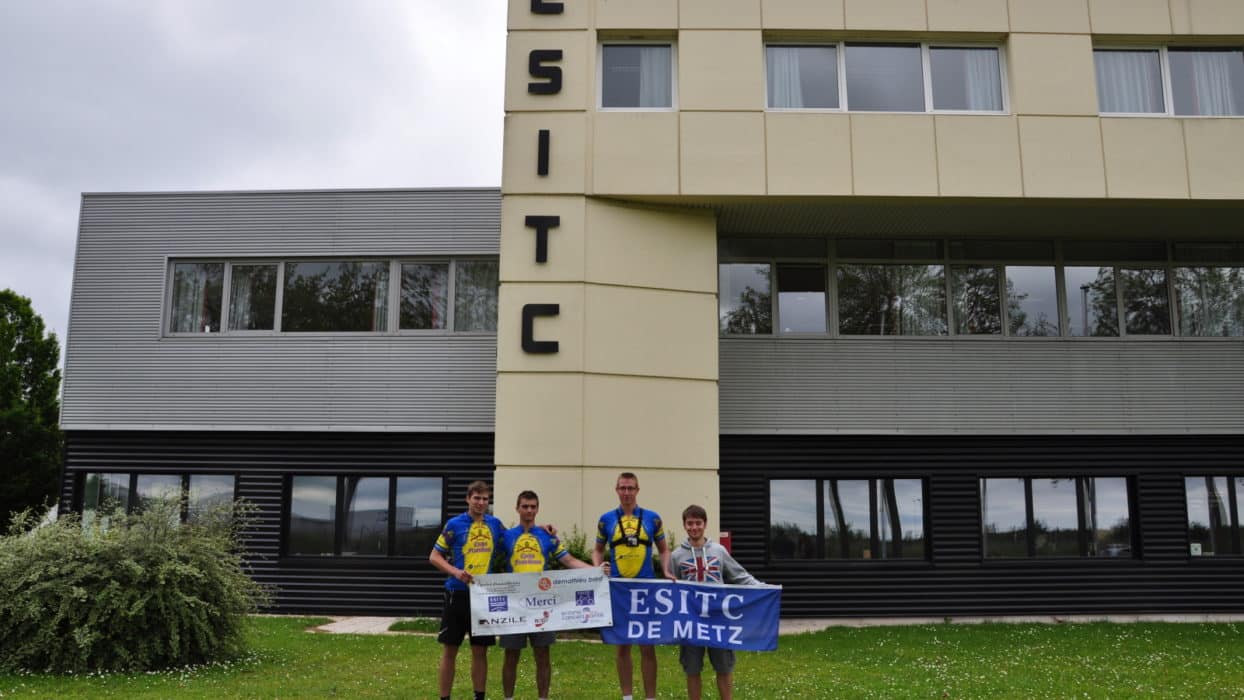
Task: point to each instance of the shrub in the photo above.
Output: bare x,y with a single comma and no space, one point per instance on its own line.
126,593
576,544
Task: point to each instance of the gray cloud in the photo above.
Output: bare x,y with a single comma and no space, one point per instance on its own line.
115,95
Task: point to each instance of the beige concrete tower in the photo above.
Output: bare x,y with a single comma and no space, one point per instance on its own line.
632,382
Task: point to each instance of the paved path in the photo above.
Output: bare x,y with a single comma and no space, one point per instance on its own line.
380,625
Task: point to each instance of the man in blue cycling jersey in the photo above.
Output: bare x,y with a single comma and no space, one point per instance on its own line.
627,534
465,549
529,548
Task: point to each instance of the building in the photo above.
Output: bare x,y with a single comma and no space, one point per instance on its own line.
938,306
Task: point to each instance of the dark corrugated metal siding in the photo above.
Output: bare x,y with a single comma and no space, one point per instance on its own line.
340,585
955,580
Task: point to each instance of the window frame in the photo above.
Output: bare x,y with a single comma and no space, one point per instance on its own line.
1169,262
1168,88
80,481
340,514
926,68
872,479
1082,535
1235,507
392,296
600,72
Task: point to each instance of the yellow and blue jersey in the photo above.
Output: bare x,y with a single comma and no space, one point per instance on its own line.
470,545
532,550
629,540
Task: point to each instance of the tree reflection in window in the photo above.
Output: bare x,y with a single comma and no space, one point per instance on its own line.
335,296
861,519
1092,305
1210,301
745,299
1056,517
1212,521
885,299
1146,306
792,519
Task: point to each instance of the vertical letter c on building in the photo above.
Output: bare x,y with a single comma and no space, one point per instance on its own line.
530,344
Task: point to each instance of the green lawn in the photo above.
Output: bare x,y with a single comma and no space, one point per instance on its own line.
932,661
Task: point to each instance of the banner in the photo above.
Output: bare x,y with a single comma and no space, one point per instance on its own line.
540,602
656,611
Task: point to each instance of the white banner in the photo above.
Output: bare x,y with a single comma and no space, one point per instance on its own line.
565,599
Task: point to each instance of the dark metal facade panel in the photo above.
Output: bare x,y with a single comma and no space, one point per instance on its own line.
262,463
981,385
955,579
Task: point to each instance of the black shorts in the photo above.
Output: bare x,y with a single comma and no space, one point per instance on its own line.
456,622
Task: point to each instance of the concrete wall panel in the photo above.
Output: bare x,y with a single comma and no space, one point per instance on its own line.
894,154
721,70
802,14
978,156
620,167
723,153
808,154
651,247
1062,157
1052,74
1215,157
1145,158
968,16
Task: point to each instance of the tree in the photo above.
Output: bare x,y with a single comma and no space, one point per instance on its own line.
30,439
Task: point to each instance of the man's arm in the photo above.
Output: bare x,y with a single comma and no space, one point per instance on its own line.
440,562
664,550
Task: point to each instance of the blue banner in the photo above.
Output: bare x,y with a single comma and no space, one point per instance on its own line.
656,611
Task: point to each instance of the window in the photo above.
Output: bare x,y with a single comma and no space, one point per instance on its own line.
1214,512
860,519
1056,517
745,304
636,76
802,77
980,288
197,293
252,297
363,515
475,295
1202,81
885,77
103,494
334,296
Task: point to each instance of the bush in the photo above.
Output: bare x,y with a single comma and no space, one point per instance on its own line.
125,593
576,544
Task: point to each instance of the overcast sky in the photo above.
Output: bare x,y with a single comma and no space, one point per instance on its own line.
151,95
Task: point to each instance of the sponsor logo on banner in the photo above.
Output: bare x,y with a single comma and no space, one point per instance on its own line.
540,601
498,621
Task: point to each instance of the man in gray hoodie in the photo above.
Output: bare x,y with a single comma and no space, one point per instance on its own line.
701,560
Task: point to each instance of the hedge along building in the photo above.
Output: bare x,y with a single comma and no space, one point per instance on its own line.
936,306
976,267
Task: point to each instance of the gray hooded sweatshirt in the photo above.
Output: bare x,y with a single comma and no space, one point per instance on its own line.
708,564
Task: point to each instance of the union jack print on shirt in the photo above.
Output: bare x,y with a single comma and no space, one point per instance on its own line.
701,569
